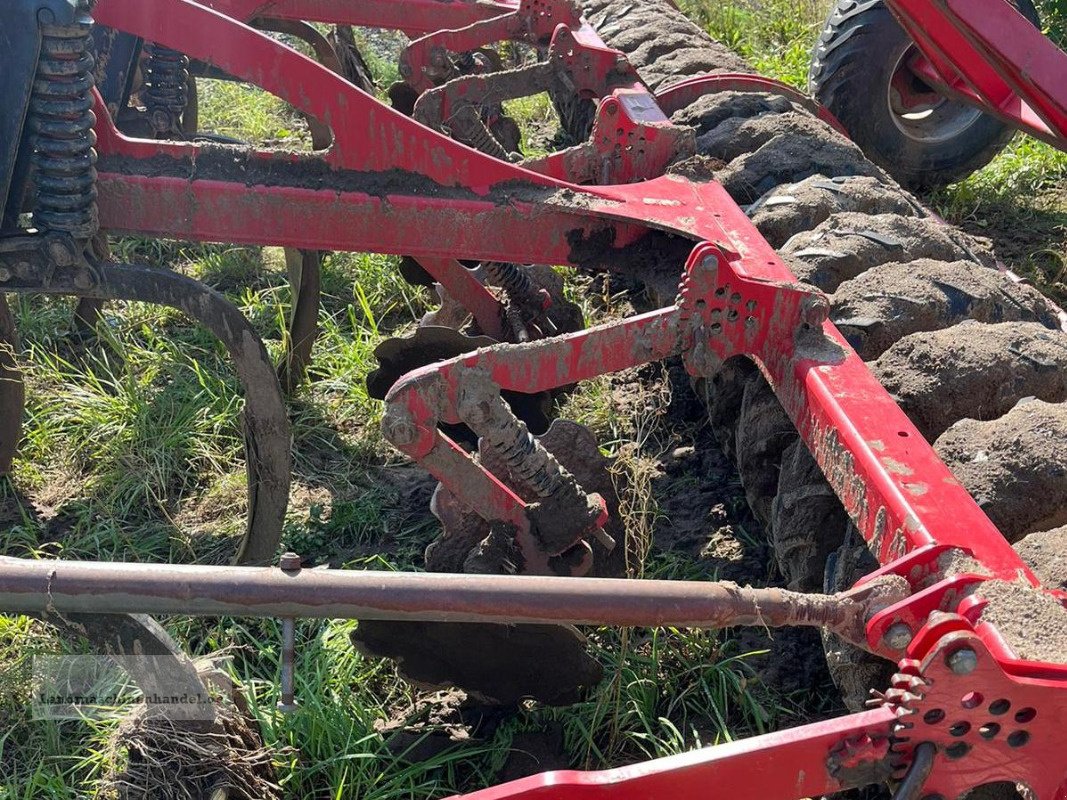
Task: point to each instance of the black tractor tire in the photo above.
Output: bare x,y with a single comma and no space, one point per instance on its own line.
855,58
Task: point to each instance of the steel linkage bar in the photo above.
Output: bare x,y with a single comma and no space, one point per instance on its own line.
191,590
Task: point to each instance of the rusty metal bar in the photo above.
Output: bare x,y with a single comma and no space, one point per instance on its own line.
102,587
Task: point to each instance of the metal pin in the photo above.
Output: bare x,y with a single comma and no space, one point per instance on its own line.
287,704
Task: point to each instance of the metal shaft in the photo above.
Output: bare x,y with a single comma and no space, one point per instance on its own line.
101,587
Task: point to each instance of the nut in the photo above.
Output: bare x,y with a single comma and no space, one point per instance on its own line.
963,662
897,636
814,310
290,562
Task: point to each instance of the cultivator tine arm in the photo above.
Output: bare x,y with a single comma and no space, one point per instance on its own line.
992,56
54,264
578,64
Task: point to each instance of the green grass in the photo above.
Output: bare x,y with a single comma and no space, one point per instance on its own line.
133,451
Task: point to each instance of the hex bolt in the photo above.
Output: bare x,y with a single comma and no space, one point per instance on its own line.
963,661
814,310
897,636
5,274
398,428
60,255
287,704
290,562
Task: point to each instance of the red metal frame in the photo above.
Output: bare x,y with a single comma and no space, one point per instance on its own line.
389,185
990,55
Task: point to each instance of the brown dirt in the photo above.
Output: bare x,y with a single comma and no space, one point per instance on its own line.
1015,466
973,370
738,136
429,725
796,207
787,158
1033,623
506,663
890,301
659,38
711,110
849,243
533,752
1046,554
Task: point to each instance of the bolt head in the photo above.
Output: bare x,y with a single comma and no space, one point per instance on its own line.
815,310
398,428
897,636
60,254
5,274
83,280
290,561
963,661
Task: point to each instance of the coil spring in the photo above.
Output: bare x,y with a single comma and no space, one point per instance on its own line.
525,458
166,76
511,278
61,125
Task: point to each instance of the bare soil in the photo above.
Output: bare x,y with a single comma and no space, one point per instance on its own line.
1015,467
973,370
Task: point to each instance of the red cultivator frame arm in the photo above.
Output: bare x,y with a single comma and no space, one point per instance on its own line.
992,56
962,710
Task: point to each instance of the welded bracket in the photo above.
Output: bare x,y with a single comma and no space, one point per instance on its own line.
632,140
425,63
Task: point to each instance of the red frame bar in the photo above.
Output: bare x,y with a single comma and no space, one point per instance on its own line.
413,17
785,765
990,55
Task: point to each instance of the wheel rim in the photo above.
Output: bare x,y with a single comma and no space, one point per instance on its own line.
919,111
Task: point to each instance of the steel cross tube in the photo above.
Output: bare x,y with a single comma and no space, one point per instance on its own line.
192,590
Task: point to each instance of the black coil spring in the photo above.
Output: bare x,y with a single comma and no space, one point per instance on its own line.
532,465
166,77
61,125
511,278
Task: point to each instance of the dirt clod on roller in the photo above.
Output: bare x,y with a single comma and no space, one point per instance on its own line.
1024,450
848,244
1033,623
973,371
793,208
890,301
1045,553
